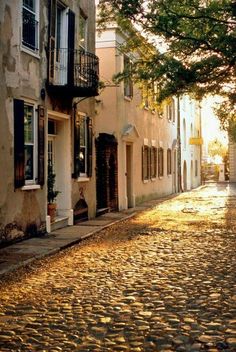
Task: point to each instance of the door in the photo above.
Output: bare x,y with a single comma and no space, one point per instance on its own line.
128,177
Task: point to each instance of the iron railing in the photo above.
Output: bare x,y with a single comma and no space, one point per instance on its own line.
73,68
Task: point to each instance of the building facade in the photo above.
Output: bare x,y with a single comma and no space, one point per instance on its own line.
191,142
49,77
136,142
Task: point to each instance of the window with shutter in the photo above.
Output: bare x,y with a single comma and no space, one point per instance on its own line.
160,162
28,144
169,162
83,142
153,162
145,163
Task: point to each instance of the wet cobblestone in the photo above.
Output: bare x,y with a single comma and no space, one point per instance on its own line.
163,281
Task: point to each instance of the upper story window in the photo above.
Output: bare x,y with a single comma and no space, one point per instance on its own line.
128,84
82,31
30,24
170,110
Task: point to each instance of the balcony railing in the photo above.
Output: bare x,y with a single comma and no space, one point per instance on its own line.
73,72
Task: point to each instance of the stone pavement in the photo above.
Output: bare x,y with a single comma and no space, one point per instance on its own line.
25,252
161,281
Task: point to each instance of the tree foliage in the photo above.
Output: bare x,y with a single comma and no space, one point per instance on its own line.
199,38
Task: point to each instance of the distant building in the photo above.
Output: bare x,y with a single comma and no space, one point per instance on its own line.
191,142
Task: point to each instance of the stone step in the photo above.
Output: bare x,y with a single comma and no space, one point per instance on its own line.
59,223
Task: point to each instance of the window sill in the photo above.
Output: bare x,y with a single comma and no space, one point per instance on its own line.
145,181
160,177
153,179
30,52
30,187
127,98
83,179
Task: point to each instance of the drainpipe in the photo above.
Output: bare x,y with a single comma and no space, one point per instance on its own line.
179,147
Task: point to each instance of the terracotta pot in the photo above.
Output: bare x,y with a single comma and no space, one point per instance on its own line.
52,208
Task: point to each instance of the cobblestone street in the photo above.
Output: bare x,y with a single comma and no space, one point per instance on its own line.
163,280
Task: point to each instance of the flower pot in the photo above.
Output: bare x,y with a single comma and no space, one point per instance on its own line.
52,208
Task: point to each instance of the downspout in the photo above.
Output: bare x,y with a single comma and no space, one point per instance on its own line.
179,147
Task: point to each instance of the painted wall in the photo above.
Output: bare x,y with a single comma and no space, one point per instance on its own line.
22,76
116,112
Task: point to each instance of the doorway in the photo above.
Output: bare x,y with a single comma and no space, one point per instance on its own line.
106,173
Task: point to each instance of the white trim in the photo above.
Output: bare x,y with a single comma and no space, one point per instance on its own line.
27,50
83,179
160,144
55,115
30,187
153,142
145,141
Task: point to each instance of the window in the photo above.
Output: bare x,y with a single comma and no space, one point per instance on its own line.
30,24
153,162
82,146
28,144
170,111
160,162
169,171
145,163
128,85
82,31
145,97
196,168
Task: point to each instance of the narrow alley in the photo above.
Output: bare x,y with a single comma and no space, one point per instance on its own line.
163,280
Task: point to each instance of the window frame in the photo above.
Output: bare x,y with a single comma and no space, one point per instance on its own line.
34,180
36,13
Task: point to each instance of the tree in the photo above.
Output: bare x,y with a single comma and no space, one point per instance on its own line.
216,148
199,37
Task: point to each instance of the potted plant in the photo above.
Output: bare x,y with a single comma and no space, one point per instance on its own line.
52,193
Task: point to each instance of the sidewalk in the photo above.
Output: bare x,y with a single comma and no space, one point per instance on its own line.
25,252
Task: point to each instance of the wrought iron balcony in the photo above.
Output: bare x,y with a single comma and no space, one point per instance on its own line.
73,73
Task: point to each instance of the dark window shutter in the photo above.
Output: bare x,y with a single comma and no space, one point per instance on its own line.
52,34
76,149
89,146
143,164
19,155
71,46
41,144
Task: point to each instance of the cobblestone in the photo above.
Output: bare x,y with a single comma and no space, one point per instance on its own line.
162,281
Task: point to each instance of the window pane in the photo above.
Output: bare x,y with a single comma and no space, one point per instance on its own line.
28,124
82,134
30,4
29,162
82,159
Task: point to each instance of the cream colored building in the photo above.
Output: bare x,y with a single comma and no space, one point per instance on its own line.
232,161
49,77
136,147
191,142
